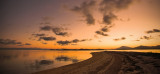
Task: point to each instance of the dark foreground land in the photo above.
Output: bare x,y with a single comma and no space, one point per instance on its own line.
112,63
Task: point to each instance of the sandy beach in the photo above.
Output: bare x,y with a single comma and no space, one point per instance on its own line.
109,62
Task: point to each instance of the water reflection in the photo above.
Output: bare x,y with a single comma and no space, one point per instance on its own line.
66,58
8,57
38,64
29,61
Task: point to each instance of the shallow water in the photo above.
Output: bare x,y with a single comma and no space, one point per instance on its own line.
29,61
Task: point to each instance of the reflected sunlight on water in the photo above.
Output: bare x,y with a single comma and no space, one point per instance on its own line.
29,61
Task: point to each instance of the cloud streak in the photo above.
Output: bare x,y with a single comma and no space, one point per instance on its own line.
118,39
12,42
153,31
39,35
27,44
47,38
46,28
9,42
66,42
101,33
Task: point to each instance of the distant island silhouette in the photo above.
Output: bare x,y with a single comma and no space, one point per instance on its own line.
139,47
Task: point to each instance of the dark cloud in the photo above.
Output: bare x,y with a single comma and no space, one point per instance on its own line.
146,37
28,44
63,42
105,29
60,31
47,38
46,28
38,35
123,38
108,7
153,31
72,41
118,39
101,33
56,30
114,5
85,10
9,42
107,19
75,40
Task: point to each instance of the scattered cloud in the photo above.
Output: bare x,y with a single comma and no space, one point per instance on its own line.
63,42
46,28
85,10
108,7
47,38
118,39
28,44
123,38
146,37
66,42
103,30
101,33
38,35
107,19
153,31
9,42
60,31
12,42
114,5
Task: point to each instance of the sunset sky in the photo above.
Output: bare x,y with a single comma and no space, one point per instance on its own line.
76,24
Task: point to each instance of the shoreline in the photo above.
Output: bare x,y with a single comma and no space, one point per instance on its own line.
110,62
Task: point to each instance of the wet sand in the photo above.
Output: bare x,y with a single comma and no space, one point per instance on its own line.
109,62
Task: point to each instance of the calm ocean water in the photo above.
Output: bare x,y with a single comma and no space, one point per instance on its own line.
29,61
